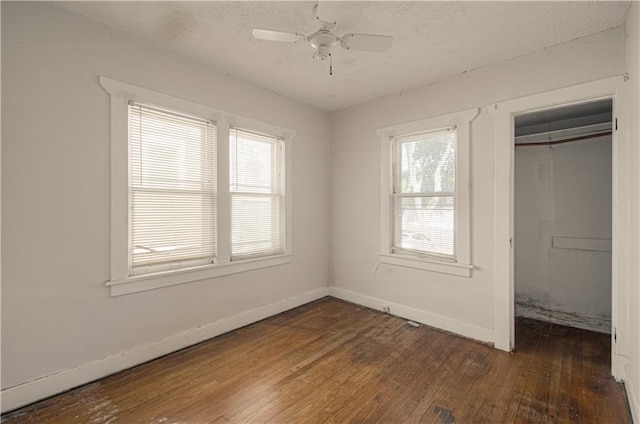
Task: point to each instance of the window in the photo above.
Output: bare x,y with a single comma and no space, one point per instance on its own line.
172,190
193,197
425,220
257,195
424,193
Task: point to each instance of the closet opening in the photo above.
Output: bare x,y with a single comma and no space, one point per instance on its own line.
562,263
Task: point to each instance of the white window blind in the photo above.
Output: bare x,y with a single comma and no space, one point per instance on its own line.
172,190
257,195
424,193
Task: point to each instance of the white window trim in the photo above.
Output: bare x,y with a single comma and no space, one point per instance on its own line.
462,265
120,281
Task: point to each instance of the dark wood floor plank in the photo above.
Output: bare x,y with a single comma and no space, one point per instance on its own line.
412,390
335,362
456,363
532,349
250,381
310,384
481,389
374,363
490,396
301,380
398,380
540,408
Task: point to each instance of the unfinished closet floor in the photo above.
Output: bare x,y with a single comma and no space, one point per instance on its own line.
332,361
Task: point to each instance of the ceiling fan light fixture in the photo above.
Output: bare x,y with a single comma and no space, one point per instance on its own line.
322,53
322,41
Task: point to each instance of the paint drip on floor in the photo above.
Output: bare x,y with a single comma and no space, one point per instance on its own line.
99,408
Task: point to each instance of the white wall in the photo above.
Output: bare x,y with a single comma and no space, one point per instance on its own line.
461,304
632,28
564,191
56,313
58,321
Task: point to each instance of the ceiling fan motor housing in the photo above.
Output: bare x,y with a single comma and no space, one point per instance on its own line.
322,41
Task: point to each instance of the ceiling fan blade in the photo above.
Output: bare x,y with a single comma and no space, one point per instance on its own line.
366,42
328,11
269,35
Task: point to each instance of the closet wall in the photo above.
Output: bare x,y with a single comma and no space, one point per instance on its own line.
563,233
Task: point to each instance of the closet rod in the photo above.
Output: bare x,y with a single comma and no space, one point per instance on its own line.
568,140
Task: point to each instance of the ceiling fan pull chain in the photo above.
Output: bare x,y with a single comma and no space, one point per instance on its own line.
330,64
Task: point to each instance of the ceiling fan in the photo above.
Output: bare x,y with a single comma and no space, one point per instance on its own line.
323,39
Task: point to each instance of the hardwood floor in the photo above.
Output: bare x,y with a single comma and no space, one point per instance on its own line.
335,362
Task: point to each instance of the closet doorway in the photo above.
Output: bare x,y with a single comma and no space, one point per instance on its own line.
614,89
563,215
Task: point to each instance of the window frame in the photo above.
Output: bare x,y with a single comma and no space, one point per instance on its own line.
278,161
397,195
120,281
460,264
155,267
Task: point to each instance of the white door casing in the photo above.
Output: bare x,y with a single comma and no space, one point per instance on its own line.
613,88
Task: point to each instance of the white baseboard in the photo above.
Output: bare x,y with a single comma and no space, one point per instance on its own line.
434,320
599,325
632,395
43,387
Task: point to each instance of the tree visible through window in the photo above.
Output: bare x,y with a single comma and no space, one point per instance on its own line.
424,193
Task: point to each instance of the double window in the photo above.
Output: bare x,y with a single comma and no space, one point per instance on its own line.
195,192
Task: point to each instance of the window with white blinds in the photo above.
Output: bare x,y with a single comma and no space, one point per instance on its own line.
257,186
424,193
172,180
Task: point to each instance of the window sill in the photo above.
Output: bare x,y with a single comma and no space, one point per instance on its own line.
453,268
140,283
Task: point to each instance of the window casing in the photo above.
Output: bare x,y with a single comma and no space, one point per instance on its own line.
425,202
146,253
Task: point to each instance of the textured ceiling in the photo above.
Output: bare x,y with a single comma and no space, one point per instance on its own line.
432,40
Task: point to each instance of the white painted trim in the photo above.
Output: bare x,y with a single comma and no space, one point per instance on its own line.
576,243
427,264
418,315
557,135
504,298
40,388
119,160
288,192
223,214
632,394
462,121
146,282
504,317
120,282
